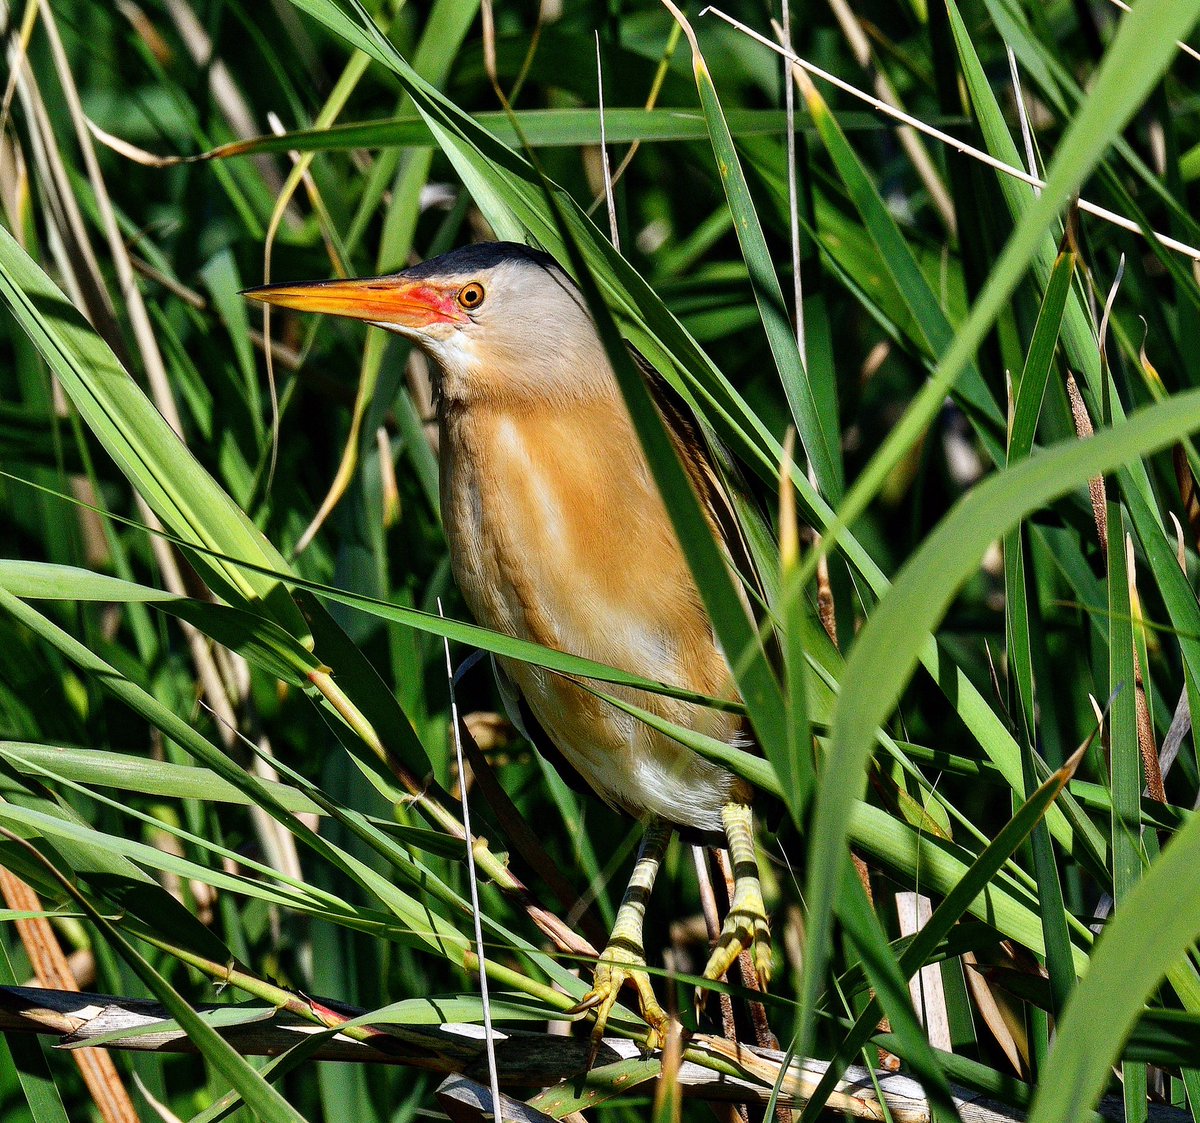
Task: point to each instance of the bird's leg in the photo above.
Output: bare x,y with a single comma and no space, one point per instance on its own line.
624,958
746,924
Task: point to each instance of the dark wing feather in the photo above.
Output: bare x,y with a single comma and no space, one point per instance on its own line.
519,713
701,468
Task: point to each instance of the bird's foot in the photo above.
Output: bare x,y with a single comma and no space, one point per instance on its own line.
620,964
624,960
746,927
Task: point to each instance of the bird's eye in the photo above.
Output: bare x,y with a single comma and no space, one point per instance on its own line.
471,296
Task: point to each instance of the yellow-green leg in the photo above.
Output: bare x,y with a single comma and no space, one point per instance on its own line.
746,925
624,959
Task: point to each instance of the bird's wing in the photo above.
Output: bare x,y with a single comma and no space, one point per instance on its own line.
708,483
714,496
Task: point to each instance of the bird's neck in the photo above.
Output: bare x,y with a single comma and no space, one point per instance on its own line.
567,375
574,420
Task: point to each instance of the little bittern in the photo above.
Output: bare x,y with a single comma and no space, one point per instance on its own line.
558,535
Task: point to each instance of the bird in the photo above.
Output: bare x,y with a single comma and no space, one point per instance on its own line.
557,534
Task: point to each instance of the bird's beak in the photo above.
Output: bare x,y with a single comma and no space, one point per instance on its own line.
392,301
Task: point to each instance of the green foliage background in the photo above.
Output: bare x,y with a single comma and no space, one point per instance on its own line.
156,489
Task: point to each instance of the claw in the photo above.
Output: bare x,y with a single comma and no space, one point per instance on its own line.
745,928
618,966
623,960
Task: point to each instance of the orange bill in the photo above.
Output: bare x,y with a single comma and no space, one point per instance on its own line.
378,300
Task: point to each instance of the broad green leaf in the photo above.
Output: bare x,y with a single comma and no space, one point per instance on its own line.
1143,47
542,128
144,447
1029,388
1027,394
920,948
132,772
259,639
1126,761
1160,920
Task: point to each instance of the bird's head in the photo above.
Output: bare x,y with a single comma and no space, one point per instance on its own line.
500,320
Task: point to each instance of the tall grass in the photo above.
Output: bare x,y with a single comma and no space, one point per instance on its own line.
228,775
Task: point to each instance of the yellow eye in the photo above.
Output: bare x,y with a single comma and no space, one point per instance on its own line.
471,296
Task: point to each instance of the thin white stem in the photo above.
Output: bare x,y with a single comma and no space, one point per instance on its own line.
1102,335
1019,97
608,183
489,1032
1182,46
953,142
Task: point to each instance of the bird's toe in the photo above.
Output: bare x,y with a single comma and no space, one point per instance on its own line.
746,927
762,954
617,967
